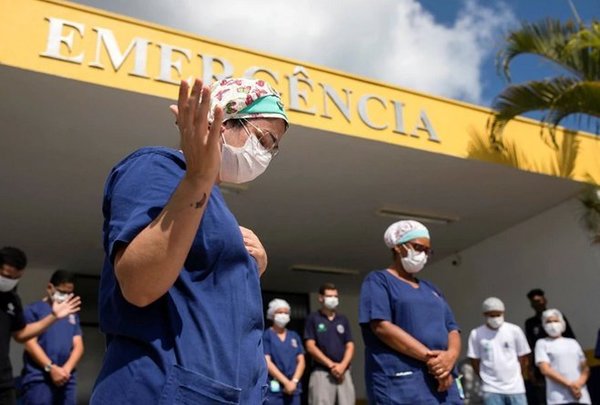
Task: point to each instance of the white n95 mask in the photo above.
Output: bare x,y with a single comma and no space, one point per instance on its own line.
331,302
7,284
495,322
241,165
59,297
281,320
414,261
553,329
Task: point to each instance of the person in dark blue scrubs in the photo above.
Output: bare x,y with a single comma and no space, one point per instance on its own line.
49,361
411,339
285,356
180,300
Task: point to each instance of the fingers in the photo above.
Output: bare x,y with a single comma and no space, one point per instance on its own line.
184,88
201,113
191,106
215,130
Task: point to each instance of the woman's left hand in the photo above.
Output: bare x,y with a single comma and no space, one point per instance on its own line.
255,249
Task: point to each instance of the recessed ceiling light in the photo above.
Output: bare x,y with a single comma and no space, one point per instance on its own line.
417,216
324,270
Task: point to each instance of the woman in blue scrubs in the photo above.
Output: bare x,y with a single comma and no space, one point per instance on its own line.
284,355
411,339
180,299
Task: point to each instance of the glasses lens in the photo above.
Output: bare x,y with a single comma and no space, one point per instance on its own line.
266,139
421,248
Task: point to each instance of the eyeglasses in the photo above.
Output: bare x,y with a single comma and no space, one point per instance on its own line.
265,137
417,247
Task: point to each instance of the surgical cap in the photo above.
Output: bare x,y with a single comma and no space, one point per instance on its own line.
403,231
246,98
274,305
492,304
554,312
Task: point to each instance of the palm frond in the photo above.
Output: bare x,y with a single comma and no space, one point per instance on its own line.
523,98
556,42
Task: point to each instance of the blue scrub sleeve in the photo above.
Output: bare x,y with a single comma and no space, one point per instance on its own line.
77,331
450,321
300,348
267,343
137,192
374,300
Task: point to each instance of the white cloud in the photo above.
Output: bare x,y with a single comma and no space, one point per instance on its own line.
396,41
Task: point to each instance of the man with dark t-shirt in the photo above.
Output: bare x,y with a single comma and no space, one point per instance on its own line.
329,342
12,322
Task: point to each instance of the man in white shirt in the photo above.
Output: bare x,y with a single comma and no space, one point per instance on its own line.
498,352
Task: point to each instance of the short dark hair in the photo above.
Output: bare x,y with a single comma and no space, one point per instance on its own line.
61,277
13,257
535,292
326,286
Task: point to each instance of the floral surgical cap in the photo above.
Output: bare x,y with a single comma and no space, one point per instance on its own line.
246,98
403,231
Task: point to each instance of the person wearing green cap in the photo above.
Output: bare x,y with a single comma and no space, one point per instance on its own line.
180,300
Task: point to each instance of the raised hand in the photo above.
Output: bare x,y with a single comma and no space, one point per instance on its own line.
199,140
71,305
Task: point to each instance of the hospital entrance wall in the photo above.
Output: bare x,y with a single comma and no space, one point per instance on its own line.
551,251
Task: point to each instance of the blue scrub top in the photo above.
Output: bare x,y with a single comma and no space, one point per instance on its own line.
57,341
284,353
421,312
202,341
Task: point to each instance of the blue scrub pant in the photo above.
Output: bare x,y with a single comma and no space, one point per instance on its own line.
492,398
45,393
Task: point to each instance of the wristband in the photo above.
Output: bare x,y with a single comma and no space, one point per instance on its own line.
295,380
48,367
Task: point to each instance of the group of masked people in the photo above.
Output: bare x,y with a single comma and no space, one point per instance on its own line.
180,299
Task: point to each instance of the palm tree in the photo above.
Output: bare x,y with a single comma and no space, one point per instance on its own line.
575,48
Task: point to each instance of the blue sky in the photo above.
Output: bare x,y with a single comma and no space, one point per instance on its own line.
442,47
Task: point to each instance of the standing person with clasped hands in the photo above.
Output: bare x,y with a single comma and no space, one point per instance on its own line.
411,339
562,362
180,299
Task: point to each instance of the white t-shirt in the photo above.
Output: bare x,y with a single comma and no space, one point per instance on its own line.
498,351
565,356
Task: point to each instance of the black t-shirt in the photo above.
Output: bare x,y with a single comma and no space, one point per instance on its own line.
11,320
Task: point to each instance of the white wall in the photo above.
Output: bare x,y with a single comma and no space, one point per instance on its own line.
550,251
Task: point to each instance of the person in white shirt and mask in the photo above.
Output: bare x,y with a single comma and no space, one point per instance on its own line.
562,362
498,351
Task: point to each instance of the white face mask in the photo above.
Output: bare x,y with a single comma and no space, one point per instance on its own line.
414,261
59,297
7,284
281,320
494,322
553,329
331,302
241,165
